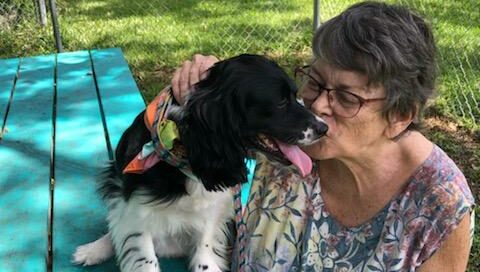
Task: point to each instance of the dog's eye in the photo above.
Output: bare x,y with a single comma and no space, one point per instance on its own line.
283,103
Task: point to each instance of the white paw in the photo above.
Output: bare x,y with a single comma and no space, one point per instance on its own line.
146,266
205,263
83,255
93,253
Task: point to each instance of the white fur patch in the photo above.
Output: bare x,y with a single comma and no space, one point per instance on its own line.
193,224
310,136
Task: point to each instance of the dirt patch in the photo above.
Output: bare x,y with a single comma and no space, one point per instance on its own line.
461,144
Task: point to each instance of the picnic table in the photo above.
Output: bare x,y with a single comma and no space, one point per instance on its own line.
61,116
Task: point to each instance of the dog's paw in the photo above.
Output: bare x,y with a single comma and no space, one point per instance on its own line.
84,256
146,266
92,253
207,268
205,263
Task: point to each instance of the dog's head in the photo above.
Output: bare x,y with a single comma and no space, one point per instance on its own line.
246,102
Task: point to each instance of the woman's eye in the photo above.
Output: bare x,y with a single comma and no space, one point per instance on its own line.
346,99
309,94
312,84
321,86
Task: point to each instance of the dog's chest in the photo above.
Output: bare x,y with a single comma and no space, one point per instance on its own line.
199,199
190,211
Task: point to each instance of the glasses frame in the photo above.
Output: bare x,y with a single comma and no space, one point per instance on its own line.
322,88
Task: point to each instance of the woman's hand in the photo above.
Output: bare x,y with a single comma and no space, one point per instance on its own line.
189,74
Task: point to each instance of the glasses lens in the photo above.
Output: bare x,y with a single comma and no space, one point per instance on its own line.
307,87
300,77
344,103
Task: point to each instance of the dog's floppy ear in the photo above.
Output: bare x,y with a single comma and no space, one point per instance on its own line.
210,131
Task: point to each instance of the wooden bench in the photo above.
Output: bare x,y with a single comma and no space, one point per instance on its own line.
61,117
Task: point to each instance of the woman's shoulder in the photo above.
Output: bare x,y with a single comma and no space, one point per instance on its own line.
431,206
436,199
438,180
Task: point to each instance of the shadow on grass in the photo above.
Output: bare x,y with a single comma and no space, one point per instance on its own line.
186,10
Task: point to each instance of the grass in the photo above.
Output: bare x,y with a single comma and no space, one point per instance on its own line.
157,35
156,38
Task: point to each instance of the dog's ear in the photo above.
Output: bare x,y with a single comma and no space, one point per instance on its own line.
211,132
218,162
215,156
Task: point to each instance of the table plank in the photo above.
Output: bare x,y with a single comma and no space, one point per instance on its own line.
121,102
7,79
120,97
80,150
25,157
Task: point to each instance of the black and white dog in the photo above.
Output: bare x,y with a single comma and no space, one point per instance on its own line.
245,103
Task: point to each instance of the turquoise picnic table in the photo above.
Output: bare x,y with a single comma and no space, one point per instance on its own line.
61,116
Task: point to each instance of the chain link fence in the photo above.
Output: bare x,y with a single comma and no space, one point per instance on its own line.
156,35
22,30
456,26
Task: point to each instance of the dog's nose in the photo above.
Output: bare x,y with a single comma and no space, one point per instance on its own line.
321,128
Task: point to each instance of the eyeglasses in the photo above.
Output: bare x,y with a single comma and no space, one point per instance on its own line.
343,103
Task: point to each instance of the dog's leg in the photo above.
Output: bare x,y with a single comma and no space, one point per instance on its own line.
210,252
135,252
95,252
132,241
205,258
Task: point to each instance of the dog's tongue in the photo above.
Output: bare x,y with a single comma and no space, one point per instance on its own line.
296,156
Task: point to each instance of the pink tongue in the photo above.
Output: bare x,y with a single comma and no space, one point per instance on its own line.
296,156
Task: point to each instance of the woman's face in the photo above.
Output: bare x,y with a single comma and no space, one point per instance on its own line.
347,137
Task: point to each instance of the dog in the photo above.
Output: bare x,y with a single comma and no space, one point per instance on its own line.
245,104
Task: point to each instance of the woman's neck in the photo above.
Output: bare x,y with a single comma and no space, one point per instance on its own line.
355,190
374,169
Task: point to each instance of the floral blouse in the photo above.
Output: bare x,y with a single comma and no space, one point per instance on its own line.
289,229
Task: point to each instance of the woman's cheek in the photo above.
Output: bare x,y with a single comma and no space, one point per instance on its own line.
332,126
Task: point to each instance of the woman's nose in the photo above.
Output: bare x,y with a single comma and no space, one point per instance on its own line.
321,105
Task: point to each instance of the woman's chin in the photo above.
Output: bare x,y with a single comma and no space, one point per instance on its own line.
317,150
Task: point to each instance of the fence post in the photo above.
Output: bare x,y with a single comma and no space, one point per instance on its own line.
316,14
42,12
56,30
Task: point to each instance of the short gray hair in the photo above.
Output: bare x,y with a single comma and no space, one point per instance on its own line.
391,45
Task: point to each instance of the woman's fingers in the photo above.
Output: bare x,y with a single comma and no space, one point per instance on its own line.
181,82
205,62
189,74
176,86
194,73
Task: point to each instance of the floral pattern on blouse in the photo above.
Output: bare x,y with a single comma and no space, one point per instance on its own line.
289,229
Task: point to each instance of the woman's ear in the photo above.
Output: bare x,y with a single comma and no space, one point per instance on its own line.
398,124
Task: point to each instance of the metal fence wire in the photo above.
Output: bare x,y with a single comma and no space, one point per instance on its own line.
22,30
156,32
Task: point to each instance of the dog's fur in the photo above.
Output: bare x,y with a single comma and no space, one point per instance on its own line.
162,212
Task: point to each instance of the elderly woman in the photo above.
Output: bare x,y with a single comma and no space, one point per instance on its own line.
381,197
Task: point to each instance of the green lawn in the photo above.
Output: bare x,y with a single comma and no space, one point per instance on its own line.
156,35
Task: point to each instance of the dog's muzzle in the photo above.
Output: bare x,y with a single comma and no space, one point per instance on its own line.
314,132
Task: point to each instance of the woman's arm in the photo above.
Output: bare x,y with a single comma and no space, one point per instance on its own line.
190,73
452,256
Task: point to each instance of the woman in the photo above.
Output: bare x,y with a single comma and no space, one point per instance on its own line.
382,197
